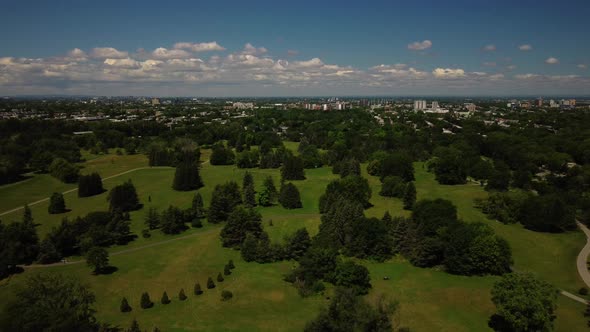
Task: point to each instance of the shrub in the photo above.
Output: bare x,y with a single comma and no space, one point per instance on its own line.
210,283
125,307
57,204
220,277
226,295
231,264
197,289
145,233
226,270
165,299
146,303
181,295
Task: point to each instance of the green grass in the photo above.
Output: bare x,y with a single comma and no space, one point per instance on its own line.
431,300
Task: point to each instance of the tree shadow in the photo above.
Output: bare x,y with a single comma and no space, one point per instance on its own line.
108,270
498,323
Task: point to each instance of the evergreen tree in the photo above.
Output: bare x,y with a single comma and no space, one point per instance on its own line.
134,326
386,218
181,295
125,307
197,206
165,299
219,277
249,248
57,204
187,177
226,295
98,259
292,168
226,270
152,218
240,222
269,194
298,244
231,264
172,221
249,192
197,290
290,198
90,185
123,198
223,201
210,283
62,170
410,196
48,252
146,303
27,216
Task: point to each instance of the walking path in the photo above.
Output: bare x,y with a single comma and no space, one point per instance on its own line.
582,261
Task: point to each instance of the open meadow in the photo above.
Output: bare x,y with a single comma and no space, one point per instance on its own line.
431,300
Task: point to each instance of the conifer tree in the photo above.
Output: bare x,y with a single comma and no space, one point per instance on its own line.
268,196
290,198
152,219
181,295
197,289
146,303
197,207
292,168
125,307
231,264
249,248
226,270
134,326
210,283
187,177
249,192
220,277
410,196
27,215
57,204
165,299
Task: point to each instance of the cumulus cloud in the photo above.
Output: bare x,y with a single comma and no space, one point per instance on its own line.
419,46
252,50
526,76
108,52
199,47
551,61
489,48
122,63
525,47
77,54
163,53
448,73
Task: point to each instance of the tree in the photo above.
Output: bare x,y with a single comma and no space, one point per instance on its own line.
397,164
50,302
292,168
226,270
249,192
353,276
181,295
57,204
226,295
165,299
98,259
90,185
62,170
172,221
197,290
197,207
123,198
241,222
152,218
298,244
290,198
134,326
125,307
231,264
27,216
223,201
352,188
393,186
210,283
525,303
220,155
475,249
249,248
48,252
187,177
145,302
219,277
500,177
337,224
449,166
410,196
268,196
547,213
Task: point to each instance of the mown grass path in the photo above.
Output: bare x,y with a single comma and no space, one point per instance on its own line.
582,261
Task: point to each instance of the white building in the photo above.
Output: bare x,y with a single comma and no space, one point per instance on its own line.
435,105
419,105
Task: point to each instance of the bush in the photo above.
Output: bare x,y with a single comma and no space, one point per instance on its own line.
181,295
125,307
165,299
146,303
226,295
210,283
226,270
220,277
57,204
62,170
231,264
145,233
583,291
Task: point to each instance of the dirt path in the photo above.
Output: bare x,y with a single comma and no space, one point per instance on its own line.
125,251
583,256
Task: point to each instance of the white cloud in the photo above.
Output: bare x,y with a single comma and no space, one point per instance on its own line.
526,76
525,47
315,62
163,54
419,46
448,73
497,76
77,54
582,66
252,50
108,52
489,48
551,61
122,63
200,47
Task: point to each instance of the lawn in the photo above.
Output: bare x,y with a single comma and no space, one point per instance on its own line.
430,299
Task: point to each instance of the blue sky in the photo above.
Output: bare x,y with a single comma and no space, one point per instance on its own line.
295,48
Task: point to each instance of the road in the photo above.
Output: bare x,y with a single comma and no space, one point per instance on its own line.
583,256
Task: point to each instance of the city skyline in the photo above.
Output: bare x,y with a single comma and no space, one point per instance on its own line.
426,48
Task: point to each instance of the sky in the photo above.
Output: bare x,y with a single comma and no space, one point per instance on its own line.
295,48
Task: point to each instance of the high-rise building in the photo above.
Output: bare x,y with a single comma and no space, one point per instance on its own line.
435,105
419,105
540,102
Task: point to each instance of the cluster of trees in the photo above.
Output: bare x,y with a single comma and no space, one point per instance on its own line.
224,199
19,244
222,155
64,171
90,185
173,220
181,150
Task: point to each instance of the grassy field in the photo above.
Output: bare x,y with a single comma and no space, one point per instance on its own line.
430,300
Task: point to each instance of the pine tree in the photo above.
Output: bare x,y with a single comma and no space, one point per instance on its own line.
125,307
290,198
210,283
187,177
27,215
146,303
268,195
220,277
249,249
197,206
197,289
152,219
181,295
249,192
292,168
226,270
57,204
89,185
165,299
231,264
134,326
410,196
